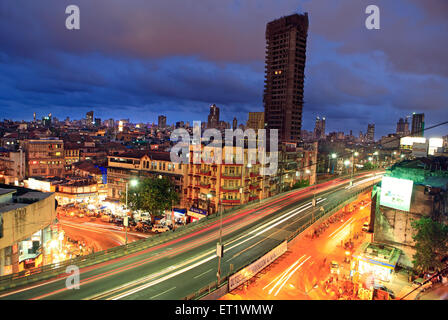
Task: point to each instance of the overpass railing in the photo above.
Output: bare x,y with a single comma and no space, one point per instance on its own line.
59,269
319,216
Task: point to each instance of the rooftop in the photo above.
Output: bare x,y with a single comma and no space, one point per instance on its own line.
21,197
428,171
379,253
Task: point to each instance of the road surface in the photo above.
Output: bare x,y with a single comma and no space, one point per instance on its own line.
100,236
177,268
300,273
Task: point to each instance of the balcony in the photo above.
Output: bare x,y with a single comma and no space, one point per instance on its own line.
204,185
233,176
231,201
254,187
230,189
253,198
205,172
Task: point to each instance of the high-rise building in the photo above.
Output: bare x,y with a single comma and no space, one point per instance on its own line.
110,123
162,121
255,121
418,124
403,127
97,122
89,118
284,75
46,121
319,128
213,117
370,135
234,123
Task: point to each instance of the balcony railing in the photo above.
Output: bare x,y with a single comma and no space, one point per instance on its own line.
205,172
230,189
231,201
227,175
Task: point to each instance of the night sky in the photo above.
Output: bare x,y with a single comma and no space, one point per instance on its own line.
140,58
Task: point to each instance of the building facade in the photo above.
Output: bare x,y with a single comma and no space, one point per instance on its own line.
213,117
418,124
284,75
25,228
44,157
255,121
143,164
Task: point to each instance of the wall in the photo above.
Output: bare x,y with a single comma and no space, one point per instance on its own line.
23,220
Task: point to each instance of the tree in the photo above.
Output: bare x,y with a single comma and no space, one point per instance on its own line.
368,166
301,184
430,244
152,195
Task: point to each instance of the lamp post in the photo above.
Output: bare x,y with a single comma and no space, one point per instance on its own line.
376,160
354,154
133,183
209,196
219,247
331,156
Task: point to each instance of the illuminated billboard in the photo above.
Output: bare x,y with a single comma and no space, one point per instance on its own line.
396,193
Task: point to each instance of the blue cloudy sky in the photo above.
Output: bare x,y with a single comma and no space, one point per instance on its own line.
140,58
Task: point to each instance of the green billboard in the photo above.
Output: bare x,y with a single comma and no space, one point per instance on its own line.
396,193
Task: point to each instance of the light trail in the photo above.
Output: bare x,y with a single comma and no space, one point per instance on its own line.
340,227
280,278
290,275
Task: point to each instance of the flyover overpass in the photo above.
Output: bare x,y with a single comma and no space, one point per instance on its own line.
179,264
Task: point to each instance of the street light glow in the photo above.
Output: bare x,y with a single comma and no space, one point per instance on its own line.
334,155
133,183
347,162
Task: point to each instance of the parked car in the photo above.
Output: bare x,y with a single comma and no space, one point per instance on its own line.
383,288
420,283
105,218
160,229
365,227
334,267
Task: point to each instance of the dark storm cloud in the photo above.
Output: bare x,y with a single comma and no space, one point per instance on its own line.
139,58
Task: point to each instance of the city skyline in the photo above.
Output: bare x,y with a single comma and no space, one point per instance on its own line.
139,73
224,150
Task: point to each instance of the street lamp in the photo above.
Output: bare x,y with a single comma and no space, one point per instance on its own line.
331,156
209,196
219,246
132,183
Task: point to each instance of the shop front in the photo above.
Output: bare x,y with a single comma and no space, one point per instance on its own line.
195,214
375,261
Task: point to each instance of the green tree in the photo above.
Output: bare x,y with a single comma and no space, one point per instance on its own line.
301,184
430,244
152,195
368,166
